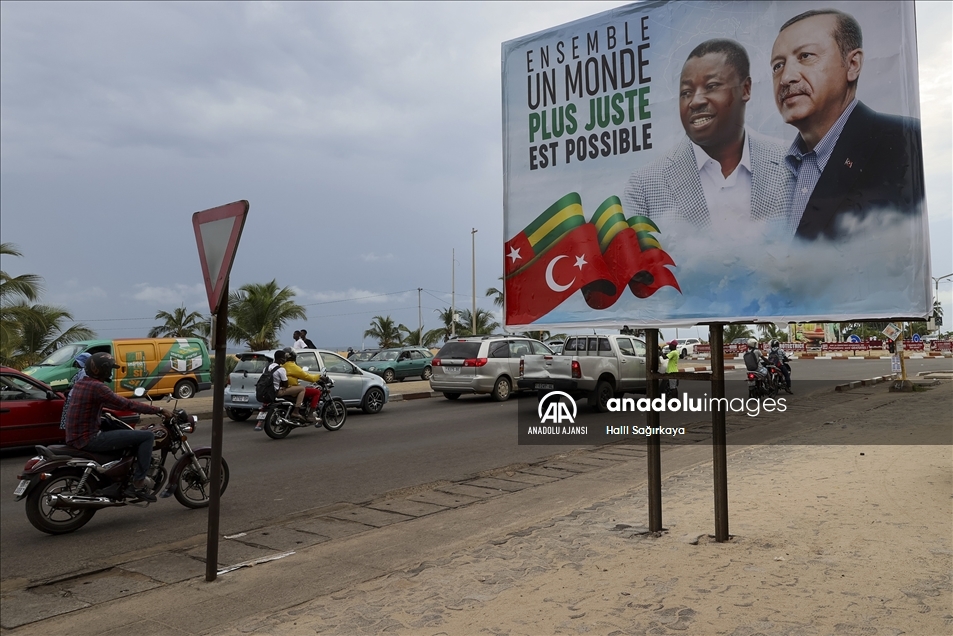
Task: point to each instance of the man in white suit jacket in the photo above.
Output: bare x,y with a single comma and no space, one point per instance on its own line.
720,175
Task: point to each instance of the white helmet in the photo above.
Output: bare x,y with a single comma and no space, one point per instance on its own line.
752,343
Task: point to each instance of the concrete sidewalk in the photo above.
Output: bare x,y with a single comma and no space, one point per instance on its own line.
833,532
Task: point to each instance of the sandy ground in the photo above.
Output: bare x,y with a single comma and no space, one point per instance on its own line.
827,539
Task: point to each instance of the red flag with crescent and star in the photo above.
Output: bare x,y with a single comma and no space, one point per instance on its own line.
552,258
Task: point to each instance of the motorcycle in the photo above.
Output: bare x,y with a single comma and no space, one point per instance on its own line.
766,384
276,416
65,486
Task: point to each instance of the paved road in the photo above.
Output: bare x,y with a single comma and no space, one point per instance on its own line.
408,445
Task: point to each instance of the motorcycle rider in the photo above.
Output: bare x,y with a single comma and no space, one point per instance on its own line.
754,359
87,399
283,388
311,395
779,359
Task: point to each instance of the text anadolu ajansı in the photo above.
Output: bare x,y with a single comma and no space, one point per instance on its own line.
588,95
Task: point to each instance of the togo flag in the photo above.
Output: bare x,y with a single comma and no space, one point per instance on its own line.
553,257
632,254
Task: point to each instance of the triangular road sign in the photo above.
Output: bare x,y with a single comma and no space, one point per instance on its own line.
217,232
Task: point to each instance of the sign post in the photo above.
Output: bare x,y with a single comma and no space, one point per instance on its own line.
217,232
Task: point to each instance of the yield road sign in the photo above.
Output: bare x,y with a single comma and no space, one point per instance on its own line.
217,232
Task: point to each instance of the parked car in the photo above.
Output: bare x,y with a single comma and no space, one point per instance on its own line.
686,346
32,411
488,364
399,363
358,389
363,355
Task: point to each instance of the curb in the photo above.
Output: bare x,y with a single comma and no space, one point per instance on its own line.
840,388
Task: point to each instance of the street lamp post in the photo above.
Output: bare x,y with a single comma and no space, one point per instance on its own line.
473,316
936,286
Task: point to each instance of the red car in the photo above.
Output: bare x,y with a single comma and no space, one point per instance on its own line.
30,411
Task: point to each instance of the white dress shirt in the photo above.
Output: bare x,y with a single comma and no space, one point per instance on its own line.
728,198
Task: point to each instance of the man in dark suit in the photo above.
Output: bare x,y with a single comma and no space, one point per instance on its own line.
848,161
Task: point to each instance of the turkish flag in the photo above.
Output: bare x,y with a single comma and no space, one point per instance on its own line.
551,277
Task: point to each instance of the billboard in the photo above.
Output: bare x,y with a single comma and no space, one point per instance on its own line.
671,163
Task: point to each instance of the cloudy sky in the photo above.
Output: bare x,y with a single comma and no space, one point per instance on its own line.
366,137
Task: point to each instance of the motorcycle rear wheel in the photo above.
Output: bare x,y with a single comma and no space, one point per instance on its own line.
58,520
333,414
274,425
191,492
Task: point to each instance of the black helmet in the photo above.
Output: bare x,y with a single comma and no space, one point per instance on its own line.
290,354
280,356
100,366
775,344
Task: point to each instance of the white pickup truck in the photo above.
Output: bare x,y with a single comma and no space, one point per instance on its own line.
597,367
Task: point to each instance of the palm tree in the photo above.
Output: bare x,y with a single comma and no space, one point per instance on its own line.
484,324
497,295
15,291
447,330
41,332
383,330
770,331
180,324
419,337
257,312
937,308
733,332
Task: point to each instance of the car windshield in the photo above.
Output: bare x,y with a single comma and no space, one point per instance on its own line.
459,350
63,355
385,356
252,363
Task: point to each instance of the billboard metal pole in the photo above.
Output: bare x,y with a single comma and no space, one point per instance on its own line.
218,410
718,436
654,442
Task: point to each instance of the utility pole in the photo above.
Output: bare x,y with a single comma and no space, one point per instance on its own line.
420,320
453,293
473,316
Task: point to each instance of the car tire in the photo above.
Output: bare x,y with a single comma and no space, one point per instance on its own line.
502,389
426,374
601,395
238,415
373,400
184,389
451,396
684,353
389,376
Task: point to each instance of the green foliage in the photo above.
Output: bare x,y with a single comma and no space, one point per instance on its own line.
732,332
419,337
257,312
384,331
29,332
496,294
483,325
180,324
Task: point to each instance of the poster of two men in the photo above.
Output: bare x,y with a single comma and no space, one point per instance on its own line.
667,163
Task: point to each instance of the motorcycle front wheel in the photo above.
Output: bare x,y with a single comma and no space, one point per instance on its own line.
58,520
192,491
275,426
333,414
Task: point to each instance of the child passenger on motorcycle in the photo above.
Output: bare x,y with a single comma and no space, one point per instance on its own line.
87,399
295,373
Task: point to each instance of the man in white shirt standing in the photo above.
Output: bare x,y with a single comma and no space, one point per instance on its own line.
720,176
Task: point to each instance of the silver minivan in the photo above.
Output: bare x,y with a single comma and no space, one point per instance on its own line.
487,364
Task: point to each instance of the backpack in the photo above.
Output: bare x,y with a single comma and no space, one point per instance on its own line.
265,386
